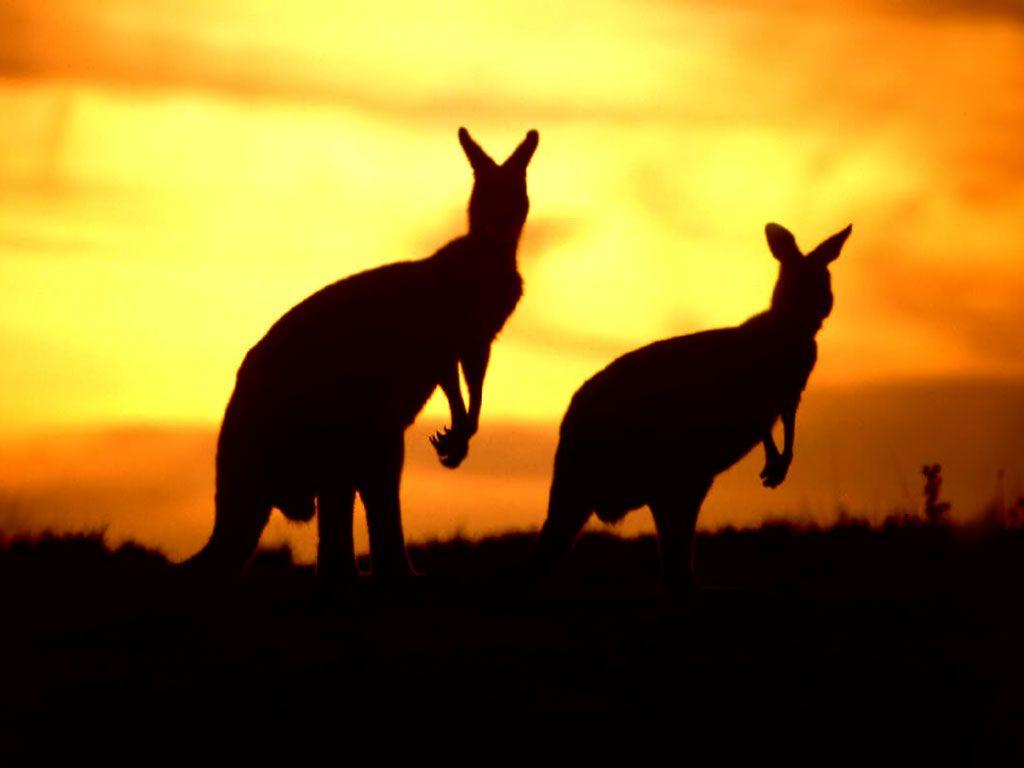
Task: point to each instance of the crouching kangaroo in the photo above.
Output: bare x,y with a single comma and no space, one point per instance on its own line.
322,402
655,427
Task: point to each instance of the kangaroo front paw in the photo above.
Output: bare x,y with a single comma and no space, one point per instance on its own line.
451,445
774,472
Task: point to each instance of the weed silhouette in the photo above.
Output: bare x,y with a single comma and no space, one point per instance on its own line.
1015,514
321,403
655,427
934,510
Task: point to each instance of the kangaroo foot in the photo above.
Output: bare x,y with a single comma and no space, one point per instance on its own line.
679,590
397,577
512,583
398,589
338,590
337,582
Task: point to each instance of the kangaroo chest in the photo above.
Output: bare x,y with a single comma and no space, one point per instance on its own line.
791,367
487,305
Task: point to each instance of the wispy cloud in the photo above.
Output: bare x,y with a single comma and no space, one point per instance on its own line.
229,51
978,308
1012,10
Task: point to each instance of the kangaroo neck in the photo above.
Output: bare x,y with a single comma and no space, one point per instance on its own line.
503,248
790,327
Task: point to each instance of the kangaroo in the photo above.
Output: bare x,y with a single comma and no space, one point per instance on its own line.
321,403
659,423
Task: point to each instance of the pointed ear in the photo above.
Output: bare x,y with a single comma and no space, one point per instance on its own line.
781,242
477,157
829,250
521,157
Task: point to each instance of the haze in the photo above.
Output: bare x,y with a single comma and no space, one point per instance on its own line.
174,176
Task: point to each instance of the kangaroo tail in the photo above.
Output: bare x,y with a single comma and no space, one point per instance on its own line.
239,521
568,511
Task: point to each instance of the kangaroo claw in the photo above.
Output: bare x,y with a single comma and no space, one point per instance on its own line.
774,473
451,446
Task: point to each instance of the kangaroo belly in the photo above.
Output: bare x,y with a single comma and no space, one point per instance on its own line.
289,438
299,508
736,430
640,441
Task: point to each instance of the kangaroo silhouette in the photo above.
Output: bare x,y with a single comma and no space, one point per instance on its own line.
659,423
321,403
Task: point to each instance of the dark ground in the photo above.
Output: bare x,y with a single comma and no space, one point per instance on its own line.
899,645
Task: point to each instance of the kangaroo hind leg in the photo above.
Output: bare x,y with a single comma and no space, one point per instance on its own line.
336,566
675,518
378,484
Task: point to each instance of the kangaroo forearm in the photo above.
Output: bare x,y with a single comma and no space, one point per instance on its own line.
788,436
788,432
450,386
474,366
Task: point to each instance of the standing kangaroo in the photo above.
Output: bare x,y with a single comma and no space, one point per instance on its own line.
322,402
657,425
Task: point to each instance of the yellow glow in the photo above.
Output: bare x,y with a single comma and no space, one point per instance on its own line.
174,177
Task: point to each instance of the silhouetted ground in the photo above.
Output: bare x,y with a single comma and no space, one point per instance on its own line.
900,644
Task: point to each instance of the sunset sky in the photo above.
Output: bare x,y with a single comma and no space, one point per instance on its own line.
175,175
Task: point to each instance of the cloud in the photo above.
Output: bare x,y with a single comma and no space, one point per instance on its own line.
1012,10
44,245
565,342
230,55
1001,9
979,306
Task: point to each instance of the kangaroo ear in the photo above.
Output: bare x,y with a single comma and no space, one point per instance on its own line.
478,159
829,250
521,157
781,242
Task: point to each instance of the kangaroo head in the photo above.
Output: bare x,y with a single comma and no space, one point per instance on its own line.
499,204
803,292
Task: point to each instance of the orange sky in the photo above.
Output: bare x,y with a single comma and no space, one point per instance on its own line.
175,175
